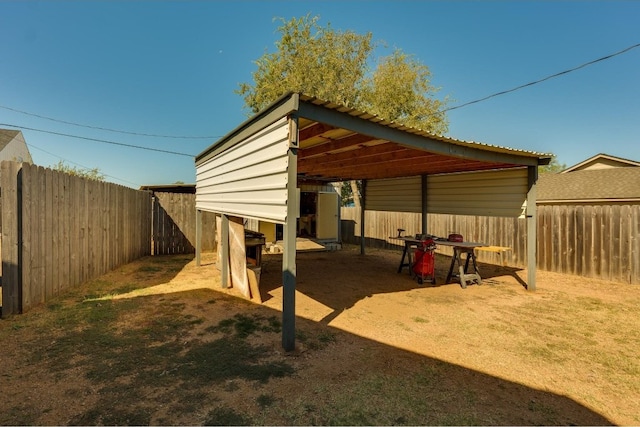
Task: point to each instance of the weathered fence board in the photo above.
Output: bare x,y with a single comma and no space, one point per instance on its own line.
11,256
599,241
174,224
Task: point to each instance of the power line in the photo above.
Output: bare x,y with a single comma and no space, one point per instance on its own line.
99,140
106,129
78,164
455,107
541,80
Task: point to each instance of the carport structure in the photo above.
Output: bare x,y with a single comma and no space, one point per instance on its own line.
254,171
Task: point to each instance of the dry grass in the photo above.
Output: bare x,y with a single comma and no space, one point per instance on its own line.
158,342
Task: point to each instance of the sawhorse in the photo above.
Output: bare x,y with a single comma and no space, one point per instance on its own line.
464,276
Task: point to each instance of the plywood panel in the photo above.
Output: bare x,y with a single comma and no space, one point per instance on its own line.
238,259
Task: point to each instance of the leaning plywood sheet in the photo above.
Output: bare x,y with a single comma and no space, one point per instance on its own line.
238,255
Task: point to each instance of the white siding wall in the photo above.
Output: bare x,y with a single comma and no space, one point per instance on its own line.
493,193
249,179
395,195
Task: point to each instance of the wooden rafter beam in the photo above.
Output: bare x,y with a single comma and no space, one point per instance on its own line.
333,145
314,130
370,154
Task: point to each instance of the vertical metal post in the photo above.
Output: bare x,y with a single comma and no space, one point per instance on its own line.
289,236
224,245
423,193
532,229
363,204
198,236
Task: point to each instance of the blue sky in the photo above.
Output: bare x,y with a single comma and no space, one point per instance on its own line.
171,68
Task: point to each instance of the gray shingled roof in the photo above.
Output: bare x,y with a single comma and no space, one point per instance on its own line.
600,184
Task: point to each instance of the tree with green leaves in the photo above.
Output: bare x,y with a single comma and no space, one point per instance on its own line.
553,167
336,66
312,60
94,173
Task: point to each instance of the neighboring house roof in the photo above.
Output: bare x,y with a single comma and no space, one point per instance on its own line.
611,184
602,161
13,146
6,136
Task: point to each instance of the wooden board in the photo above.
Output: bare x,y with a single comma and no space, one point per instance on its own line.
253,274
238,259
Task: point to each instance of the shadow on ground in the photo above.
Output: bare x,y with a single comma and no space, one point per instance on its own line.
372,274
183,359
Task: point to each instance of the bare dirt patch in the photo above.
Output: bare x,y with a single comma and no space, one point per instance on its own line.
159,342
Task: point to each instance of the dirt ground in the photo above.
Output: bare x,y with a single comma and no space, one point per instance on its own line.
514,357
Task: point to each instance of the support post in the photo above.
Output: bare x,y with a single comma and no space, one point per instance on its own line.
198,236
215,234
363,203
224,245
289,235
532,229
423,193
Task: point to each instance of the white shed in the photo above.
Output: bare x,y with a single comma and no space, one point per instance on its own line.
255,171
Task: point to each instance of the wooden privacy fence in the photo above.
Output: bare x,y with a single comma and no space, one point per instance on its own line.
174,224
59,231
598,241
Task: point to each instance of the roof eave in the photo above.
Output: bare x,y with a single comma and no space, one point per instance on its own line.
633,200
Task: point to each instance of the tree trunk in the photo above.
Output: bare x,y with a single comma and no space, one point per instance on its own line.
356,193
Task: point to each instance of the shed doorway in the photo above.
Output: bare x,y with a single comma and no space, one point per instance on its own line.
319,216
328,218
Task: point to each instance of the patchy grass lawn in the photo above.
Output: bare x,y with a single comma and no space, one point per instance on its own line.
159,342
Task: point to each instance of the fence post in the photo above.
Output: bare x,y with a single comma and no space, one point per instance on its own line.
198,236
532,233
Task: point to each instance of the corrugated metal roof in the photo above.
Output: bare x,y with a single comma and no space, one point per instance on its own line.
396,125
338,143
